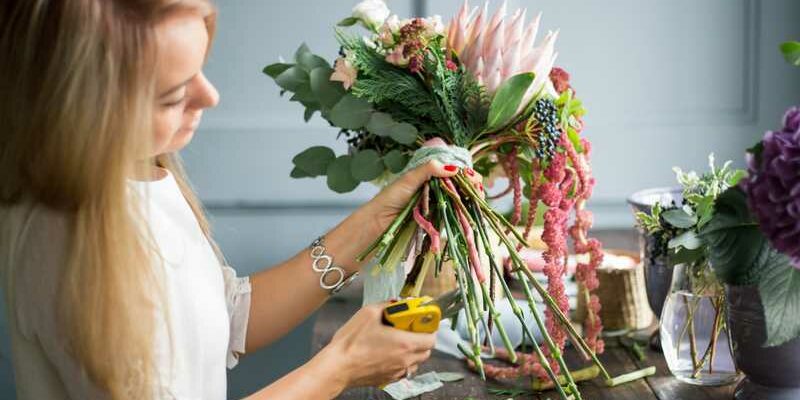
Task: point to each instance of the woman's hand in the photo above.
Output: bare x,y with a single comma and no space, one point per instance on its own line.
394,198
367,353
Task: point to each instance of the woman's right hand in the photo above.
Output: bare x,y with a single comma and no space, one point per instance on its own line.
370,353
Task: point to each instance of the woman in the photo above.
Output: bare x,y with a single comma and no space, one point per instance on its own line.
113,285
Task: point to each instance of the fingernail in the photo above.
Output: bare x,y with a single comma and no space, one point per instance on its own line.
450,168
470,171
393,300
481,187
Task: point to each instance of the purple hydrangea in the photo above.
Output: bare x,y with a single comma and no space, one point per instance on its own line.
773,186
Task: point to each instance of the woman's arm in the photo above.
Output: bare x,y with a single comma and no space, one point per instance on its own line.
285,295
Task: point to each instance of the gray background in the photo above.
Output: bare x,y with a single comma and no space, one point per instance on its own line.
665,83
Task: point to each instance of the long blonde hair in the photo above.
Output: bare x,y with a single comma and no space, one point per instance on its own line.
77,79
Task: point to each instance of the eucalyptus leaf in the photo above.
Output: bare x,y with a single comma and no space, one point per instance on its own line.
404,133
292,79
779,288
327,92
380,124
507,100
314,161
308,113
733,239
395,161
366,165
679,218
273,70
304,95
310,61
299,173
340,179
791,52
351,112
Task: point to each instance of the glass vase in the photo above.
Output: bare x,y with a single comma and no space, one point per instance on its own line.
694,328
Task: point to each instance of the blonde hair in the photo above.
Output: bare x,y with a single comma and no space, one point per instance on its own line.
78,85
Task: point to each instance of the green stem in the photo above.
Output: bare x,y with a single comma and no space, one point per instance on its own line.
630,377
388,235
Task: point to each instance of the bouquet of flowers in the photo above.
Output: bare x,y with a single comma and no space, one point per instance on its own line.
477,93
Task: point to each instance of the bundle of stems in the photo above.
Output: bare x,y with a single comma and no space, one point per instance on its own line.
449,220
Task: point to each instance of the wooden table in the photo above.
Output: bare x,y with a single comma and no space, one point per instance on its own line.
617,359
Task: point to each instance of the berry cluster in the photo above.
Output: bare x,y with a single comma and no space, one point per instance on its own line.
546,114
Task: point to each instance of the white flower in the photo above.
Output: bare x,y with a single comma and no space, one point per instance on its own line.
389,28
371,13
434,25
344,72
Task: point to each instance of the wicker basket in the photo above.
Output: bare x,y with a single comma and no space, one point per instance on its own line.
622,294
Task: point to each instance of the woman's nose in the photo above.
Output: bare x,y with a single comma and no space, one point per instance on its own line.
204,94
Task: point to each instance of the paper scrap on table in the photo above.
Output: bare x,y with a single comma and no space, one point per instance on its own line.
408,388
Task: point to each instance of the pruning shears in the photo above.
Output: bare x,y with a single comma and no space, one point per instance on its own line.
422,314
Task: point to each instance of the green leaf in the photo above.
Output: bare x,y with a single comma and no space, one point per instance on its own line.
366,165
780,294
733,239
292,79
349,21
688,240
351,112
273,70
686,256
314,161
791,52
328,93
340,179
299,173
404,133
507,100
380,124
679,218
308,113
308,60
395,160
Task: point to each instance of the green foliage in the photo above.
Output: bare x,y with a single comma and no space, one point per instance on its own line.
791,52
395,160
383,125
681,227
351,112
340,177
366,165
312,162
471,101
507,100
741,255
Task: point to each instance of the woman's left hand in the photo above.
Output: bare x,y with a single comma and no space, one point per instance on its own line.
394,198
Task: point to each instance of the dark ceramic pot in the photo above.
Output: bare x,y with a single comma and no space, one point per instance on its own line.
772,373
657,273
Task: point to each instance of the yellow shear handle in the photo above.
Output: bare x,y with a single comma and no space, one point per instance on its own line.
411,315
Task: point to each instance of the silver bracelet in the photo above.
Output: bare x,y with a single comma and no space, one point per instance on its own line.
323,263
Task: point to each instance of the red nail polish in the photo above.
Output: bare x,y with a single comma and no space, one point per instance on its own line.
470,171
481,187
393,300
450,168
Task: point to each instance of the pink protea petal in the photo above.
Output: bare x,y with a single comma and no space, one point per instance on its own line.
494,45
479,70
529,36
493,74
511,60
498,16
515,29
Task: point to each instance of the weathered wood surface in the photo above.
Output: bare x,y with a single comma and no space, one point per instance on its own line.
618,359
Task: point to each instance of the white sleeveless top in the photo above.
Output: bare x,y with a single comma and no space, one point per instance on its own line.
208,305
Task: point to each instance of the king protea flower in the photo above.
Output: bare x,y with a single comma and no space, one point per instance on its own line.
496,49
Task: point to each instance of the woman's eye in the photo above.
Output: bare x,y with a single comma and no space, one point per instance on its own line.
175,103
